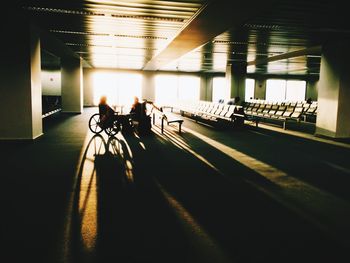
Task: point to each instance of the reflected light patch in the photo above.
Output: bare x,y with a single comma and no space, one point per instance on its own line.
88,195
129,171
87,213
142,145
88,209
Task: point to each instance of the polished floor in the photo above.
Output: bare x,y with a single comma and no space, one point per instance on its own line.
206,195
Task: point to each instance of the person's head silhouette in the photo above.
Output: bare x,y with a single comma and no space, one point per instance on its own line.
103,99
136,100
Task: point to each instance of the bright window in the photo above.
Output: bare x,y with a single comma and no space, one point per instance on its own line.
105,84
249,89
171,88
166,89
220,89
285,90
275,90
296,90
128,85
119,88
188,89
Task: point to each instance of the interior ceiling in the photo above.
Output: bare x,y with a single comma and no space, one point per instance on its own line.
273,37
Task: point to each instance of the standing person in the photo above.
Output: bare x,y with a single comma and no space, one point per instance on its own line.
106,112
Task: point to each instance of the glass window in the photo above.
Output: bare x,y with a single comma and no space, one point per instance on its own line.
275,90
171,88
296,90
166,89
128,86
220,89
285,90
189,87
119,88
249,89
105,84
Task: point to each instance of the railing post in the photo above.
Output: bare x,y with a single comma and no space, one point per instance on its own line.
162,125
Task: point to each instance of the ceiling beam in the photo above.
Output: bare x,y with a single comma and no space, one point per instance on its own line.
211,20
316,50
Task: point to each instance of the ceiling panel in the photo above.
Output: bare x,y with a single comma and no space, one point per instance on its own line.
287,27
129,34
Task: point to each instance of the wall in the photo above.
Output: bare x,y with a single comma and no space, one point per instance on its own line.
51,82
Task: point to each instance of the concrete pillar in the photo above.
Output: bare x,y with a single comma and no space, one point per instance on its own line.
235,77
311,90
260,89
333,112
206,88
148,86
72,85
20,89
88,87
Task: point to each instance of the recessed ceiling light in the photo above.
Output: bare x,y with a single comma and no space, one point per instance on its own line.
62,11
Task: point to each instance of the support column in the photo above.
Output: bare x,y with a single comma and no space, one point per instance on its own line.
260,89
206,88
20,89
333,113
235,77
148,86
311,90
72,85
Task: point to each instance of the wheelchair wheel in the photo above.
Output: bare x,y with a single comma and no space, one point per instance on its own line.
94,124
111,131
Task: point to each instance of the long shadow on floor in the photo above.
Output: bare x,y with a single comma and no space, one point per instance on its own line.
119,214
161,199
247,223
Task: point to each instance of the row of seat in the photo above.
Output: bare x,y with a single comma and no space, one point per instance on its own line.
211,111
299,111
257,110
50,104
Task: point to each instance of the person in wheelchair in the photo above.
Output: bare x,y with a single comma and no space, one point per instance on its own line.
106,113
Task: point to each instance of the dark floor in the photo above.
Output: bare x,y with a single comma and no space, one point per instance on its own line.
249,195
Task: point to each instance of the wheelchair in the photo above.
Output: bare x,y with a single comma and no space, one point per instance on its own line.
127,123
112,127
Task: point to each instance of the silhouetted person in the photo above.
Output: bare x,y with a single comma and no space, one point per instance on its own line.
235,101
106,112
138,110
